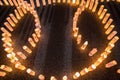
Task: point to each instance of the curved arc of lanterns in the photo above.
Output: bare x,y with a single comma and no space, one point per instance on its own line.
105,19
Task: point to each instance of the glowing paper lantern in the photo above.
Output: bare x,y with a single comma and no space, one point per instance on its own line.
92,67
106,18
44,2
64,78
30,72
118,71
17,14
27,49
11,22
93,51
32,3
91,4
41,77
15,2
11,3
108,23
87,3
1,3
8,26
103,13
53,78
13,18
84,71
5,31
111,64
37,3
20,11
100,9
35,37
21,55
79,39
76,32
83,47
112,35
19,66
32,43
95,6
114,40
109,29
2,73
76,75
6,2
6,68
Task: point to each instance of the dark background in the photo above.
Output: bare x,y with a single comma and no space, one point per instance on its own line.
57,53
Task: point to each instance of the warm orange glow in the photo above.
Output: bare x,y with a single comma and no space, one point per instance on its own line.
6,68
15,2
44,2
5,31
27,49
11,22
106,18
76,75
7,40
83,47
109,47
92,67
100,9
35,37
8,49
30,72
13,18
17,14
111,35
2,73
53,78
38,31
111,64
109,29
64,78
32,43
6,2
118,71
32,3
12,57
114,40
41,77
23,9
20,11
49,1
76,32
95,6
38,3
103,13
8,26
108,23
1,4
68,1
93,51
73,1
87,3
19,66
84,71
21,55
91,4
79,39
11,3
